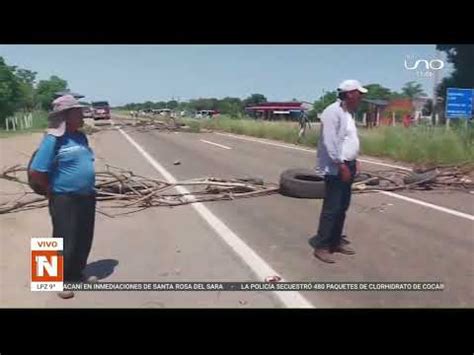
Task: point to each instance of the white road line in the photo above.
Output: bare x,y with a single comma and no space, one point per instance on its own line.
216,144
306,150
383,164
291,299
264,142
419,202
430,205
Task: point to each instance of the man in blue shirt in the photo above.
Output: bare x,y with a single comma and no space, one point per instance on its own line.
64,167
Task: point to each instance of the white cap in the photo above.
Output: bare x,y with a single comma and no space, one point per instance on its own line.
351,85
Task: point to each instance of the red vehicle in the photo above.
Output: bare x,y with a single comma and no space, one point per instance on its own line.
101,110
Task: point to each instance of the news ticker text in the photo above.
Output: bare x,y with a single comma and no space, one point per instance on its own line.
256,286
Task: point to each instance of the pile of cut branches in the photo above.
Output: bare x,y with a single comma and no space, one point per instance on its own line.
447,177
143,125
131,191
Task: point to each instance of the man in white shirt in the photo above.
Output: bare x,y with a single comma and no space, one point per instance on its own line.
338,149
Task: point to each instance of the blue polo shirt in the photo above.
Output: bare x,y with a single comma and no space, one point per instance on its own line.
69,162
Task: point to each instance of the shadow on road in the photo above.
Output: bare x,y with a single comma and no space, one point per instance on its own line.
101,268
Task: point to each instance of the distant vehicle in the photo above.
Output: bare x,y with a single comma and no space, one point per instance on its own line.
87,112
206,113
165,112
101,110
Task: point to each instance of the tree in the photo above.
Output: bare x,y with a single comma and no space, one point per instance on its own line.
254,99
26,76
204,104
172,105
462,57
413,90
374,92
46,90
183,106
397,95
27,81
148,105
319,105
312,115
10,91
232,106
377,92
159,105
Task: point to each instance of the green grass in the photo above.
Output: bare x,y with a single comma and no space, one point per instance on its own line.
420,144
40,122
425,144
121,113
282,131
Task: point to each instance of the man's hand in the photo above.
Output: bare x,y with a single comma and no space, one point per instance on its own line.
345,173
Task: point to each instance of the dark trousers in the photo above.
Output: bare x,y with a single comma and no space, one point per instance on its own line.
73,219
333,214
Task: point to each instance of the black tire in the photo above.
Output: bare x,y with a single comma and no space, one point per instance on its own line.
302,183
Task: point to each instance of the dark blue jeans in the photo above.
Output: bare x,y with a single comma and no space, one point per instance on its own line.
333,214
73,219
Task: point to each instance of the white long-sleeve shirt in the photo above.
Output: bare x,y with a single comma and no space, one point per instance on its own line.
338,141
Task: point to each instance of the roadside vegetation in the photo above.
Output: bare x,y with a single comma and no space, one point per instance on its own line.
40,122
420,144
21,94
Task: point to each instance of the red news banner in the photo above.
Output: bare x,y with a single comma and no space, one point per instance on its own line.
46,264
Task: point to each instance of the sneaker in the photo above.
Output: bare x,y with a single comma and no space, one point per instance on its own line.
343,250
66,294
323,254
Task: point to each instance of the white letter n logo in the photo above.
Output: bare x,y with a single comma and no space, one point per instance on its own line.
43,263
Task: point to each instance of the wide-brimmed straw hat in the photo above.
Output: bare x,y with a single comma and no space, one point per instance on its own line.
56,122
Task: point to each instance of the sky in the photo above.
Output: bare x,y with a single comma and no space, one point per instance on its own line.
136,73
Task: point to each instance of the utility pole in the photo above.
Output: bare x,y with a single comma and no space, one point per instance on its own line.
435,95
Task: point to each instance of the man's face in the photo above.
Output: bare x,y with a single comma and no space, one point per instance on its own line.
353,99
75,119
